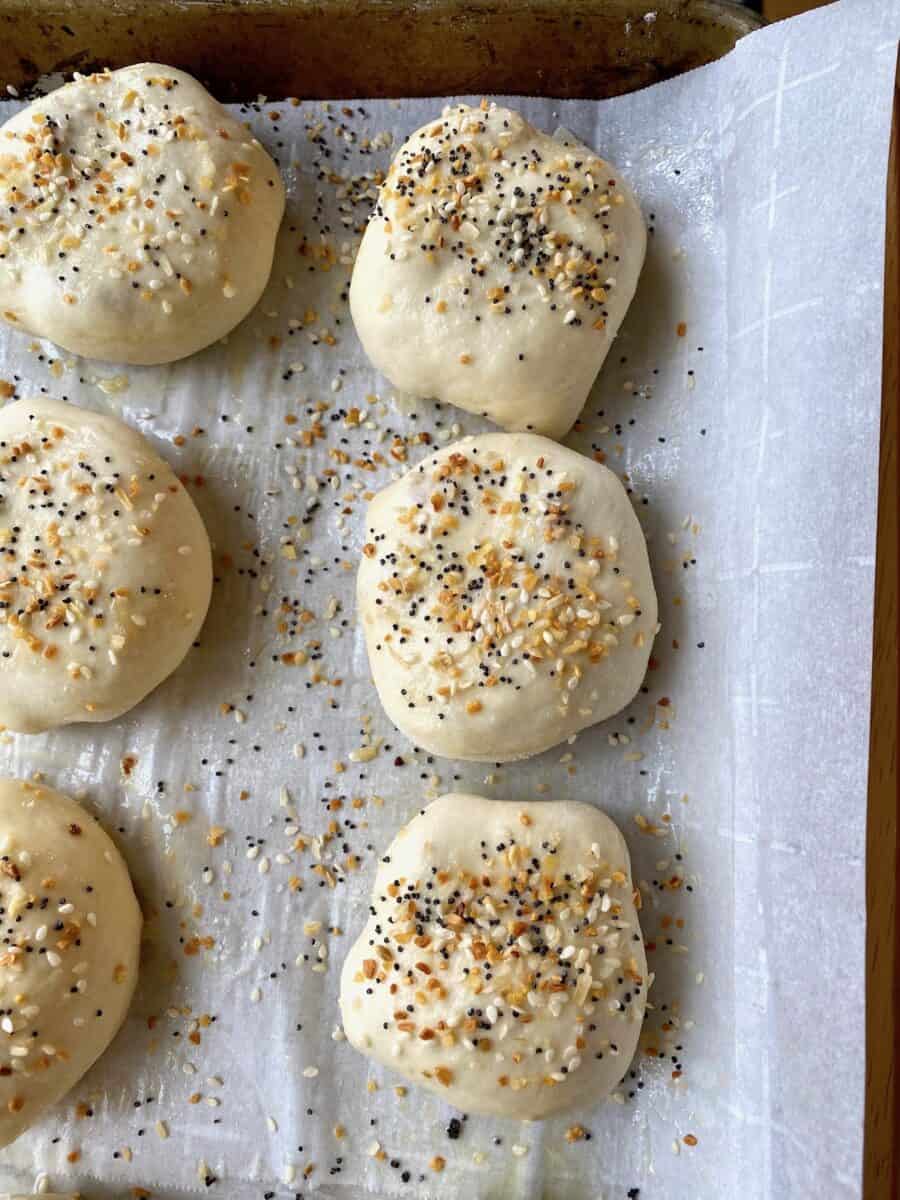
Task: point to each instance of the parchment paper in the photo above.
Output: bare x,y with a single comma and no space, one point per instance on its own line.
750,446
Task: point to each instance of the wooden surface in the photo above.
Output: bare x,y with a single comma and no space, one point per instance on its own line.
777,10
881,1168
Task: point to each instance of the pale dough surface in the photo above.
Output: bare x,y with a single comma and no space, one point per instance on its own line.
502,965
139,217
497,268
105,567
506,597
71,940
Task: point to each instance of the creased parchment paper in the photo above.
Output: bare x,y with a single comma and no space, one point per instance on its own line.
738,775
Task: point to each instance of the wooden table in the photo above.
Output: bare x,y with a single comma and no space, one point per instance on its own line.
882,853
777,10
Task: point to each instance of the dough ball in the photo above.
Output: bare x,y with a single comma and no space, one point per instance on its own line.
105,567
139,216
506,597
497,268
71,933
502,964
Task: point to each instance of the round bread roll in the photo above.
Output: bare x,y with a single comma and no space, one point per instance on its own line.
502,964
105,567
71,941
139,217
506,597
496,269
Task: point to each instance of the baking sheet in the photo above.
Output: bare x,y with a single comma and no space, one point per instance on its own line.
738,776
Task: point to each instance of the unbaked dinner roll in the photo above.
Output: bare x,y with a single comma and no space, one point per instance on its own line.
506,597
105,567
502,964
138,217
496,268
71,931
